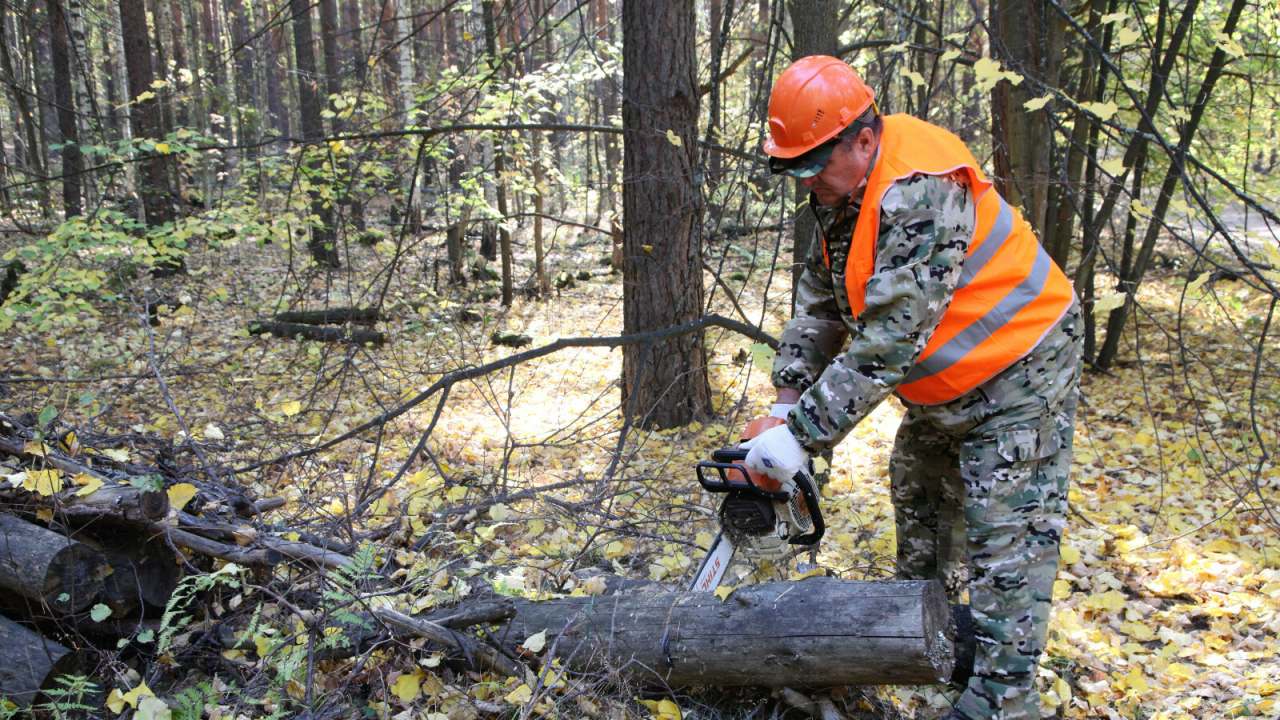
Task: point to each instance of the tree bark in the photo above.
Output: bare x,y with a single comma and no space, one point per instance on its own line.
322,244
662,273
157,196
64,100
29,663
1028,41
499,163
815,24
818,632
45,567
246,86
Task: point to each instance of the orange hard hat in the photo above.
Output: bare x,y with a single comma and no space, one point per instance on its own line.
814,99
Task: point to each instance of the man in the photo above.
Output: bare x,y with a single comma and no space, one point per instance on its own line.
949,302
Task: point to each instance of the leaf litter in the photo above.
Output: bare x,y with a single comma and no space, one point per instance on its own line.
1165,605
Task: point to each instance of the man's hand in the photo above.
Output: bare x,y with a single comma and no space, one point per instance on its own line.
775,453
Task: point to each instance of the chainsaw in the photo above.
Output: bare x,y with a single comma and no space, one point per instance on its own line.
760,515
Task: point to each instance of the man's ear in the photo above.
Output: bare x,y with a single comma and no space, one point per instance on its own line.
866,139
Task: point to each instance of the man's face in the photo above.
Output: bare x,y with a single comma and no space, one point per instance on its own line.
845,173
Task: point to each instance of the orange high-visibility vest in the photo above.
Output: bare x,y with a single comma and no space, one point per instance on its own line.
1010,292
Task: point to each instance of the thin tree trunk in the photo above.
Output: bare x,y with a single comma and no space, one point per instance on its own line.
499,164
64,99
1177,167
814,23
321,245
246,85
274,72
153,186
31,154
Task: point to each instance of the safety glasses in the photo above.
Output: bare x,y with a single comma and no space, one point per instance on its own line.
808,164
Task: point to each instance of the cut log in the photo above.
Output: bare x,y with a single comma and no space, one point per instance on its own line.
29,663
125,502
817,632
316,332
142,571
45,567
330,316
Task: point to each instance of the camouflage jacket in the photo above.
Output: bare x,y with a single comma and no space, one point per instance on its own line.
925,226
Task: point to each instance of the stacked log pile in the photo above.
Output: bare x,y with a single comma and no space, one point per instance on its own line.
96,546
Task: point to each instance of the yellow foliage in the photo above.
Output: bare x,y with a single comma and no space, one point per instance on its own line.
43,482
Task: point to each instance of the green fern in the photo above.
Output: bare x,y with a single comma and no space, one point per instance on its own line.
174,618
190,703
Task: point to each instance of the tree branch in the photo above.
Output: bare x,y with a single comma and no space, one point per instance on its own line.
452,379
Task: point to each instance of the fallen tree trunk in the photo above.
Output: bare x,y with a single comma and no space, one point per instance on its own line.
330,316
47,568
818,632
316,332
29,663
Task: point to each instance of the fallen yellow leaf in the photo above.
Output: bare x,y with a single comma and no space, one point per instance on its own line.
44,482
181,494
522,694
408,686
91,484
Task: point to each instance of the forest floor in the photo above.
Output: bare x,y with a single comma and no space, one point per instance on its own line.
1169,590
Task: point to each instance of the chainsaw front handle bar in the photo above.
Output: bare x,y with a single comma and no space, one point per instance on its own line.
723,461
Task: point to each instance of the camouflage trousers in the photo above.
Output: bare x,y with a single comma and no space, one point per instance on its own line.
980,497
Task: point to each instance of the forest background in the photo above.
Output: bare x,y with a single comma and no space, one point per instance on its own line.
182,180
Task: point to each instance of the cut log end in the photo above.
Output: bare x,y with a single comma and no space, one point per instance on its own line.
43,566
74,578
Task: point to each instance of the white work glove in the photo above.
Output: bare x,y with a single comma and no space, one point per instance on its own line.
775,453
781,410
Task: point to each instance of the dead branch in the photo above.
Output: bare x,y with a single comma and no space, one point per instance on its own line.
452,379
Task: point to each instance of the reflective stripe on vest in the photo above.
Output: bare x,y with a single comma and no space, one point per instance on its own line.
1009,292
997,317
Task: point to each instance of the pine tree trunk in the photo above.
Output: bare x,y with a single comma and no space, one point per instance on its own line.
666,383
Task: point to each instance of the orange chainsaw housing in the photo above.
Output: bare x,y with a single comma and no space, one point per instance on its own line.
754,428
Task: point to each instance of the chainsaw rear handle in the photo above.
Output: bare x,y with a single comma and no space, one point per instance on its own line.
805,483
